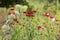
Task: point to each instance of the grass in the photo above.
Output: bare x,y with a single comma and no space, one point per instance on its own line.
29,31
2,14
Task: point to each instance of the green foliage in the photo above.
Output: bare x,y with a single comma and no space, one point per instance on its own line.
22,2
8,3
50,1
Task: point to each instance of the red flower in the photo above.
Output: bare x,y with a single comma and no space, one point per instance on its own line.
47,14
32,14
16,20
51,17
12,23
12,12
12,8
39,27
28,14
9,13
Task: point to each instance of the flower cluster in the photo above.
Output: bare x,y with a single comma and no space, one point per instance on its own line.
47,14
30,13
14,18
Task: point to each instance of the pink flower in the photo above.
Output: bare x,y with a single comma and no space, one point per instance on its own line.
47,14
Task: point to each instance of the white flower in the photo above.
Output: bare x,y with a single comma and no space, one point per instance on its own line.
53,19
